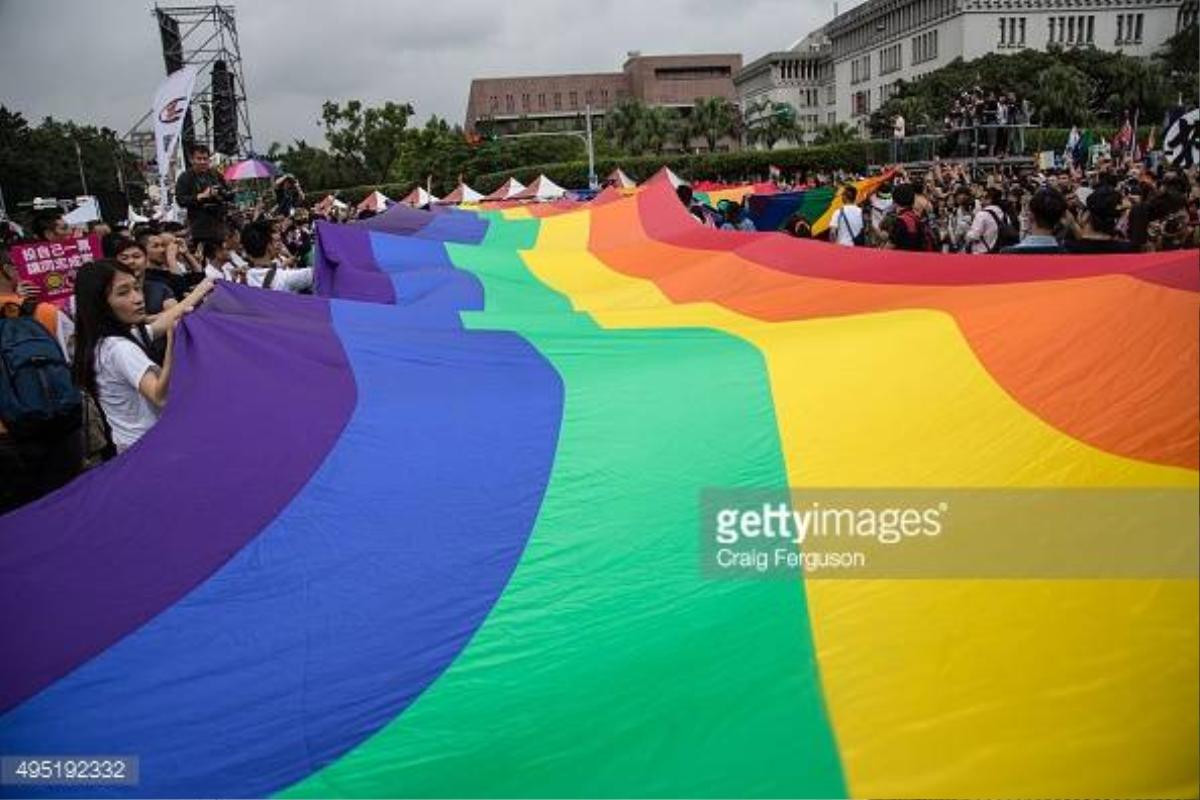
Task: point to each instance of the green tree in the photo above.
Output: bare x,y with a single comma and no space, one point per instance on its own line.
371,137
41,161
1179,60
714,118
438,151
1141,86
657,129
314,167
767,122
1062,96
838,133
624,123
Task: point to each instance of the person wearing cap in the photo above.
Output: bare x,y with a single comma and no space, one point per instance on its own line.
1099,233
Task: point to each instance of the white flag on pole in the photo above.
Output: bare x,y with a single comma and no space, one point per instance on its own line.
170,106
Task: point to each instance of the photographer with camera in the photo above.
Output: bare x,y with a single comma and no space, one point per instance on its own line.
206,196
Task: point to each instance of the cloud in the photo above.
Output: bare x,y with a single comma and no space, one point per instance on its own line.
297,54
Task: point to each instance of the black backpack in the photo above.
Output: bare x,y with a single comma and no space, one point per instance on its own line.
1006,233
860,238
37,395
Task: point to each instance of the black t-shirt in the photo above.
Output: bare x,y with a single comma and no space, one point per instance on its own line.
156,289
1139,221
206,218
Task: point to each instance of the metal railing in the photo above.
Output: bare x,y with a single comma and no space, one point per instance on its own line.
973,142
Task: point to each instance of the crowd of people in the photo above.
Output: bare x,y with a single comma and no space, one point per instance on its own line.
1117,207
85,379
100,365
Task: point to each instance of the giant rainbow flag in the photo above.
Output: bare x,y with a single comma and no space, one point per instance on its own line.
434,533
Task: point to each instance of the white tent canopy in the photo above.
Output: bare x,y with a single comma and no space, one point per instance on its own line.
621,180
375,201
665,174
419,198
462,194
541,189
87,211
510,187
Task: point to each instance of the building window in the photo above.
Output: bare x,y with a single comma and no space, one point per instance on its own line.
861,103
558,101
889,59
1012,31
1091,29
692,73
574,97
830,95
924,47
525,102
587,97
604,97
509,106
1186,17
1129,28
1051,38
495,104
541,101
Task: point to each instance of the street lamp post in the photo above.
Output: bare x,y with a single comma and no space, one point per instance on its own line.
585,136
593,184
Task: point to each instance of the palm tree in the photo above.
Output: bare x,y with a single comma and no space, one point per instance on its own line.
685,129
838,133
624,124
657,129
713,118
767,122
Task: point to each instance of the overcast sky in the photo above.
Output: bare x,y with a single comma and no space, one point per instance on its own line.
100,62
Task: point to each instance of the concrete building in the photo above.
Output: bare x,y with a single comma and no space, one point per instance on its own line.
557,102
880,42
801,76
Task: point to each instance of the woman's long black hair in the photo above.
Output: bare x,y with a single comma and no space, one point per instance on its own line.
94,319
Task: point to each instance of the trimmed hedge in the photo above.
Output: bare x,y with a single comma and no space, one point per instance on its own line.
708,166
715,166
851,156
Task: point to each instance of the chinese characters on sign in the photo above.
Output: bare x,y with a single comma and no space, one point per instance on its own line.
51,266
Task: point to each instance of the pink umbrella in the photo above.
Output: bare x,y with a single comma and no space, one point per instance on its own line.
250,169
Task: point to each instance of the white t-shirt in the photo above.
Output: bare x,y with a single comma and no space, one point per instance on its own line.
223,272
847,221
285,280
120,365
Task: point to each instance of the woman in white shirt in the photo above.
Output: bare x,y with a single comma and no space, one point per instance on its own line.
112,337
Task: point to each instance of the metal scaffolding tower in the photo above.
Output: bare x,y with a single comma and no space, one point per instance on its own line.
198,36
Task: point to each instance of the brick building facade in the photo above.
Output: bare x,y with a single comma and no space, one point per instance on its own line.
557,102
